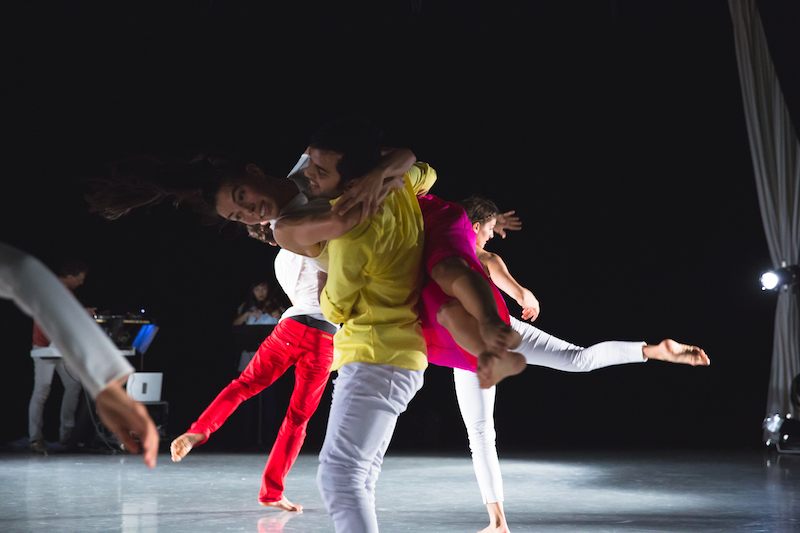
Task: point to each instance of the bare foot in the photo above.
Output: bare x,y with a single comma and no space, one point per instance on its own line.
284,504
498,336
183,445
675,352
497,519
492,369
503,528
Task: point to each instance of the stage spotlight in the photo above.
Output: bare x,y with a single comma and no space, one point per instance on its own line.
773,423
784,433
786,275
769,280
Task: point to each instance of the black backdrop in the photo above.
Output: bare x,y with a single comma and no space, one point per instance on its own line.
615,129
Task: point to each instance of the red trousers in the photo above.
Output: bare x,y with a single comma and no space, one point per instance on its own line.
290,343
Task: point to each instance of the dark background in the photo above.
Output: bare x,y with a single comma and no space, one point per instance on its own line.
614,128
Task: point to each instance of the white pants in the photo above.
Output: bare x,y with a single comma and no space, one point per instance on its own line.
43,369
367,399
541,349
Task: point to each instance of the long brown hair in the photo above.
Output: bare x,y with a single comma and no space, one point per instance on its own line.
144,181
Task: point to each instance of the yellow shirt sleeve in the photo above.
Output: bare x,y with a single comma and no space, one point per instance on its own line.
422,177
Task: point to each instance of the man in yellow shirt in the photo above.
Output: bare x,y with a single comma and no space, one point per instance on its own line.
374,282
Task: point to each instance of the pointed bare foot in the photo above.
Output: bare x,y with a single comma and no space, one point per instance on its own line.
284,504
492,369
183,445
675,352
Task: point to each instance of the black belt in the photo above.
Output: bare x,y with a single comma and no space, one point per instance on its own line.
315,323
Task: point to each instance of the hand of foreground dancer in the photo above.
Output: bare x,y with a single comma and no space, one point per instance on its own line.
261,232
369,191
126,417
366,191
507,222
674,352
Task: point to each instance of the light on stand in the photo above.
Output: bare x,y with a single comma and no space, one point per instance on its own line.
784,276
784,431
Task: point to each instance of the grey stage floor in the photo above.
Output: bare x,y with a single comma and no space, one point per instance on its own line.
564,492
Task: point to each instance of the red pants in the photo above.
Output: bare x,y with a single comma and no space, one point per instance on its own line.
290,343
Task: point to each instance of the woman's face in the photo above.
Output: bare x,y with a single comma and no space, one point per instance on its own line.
484,231
248,200
261,292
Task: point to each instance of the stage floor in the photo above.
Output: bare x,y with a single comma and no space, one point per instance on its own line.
548,492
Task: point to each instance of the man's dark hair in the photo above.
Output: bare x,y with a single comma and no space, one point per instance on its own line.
479,209
359,142
71,267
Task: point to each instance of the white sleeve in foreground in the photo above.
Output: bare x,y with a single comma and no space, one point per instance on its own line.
39,294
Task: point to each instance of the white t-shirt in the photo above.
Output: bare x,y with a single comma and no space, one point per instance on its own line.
299,278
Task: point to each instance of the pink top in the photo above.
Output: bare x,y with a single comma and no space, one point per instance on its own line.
448,232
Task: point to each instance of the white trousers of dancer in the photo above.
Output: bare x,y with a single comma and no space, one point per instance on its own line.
43,370
540,349
367,399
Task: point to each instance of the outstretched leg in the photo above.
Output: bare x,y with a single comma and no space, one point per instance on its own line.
543,349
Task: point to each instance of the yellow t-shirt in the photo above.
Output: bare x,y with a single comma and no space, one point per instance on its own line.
374,281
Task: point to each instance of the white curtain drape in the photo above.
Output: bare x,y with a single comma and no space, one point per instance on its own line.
774,149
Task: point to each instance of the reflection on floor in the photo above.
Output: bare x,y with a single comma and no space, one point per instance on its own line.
564,492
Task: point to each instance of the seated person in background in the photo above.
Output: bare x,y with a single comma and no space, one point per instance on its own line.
47,360
261,306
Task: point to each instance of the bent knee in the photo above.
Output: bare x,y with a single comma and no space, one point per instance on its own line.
447,315
449,268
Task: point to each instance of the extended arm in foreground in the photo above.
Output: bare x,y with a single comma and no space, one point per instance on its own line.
100,366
